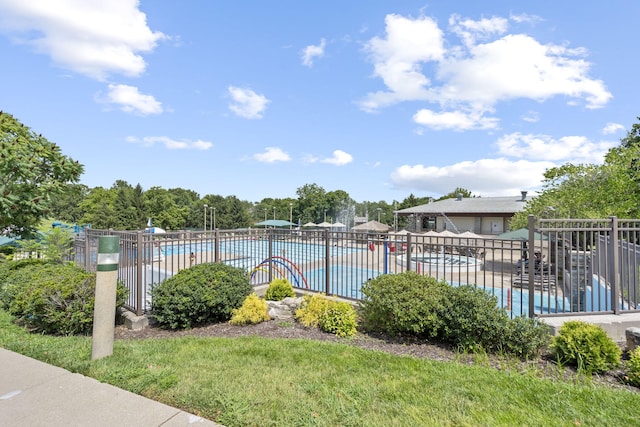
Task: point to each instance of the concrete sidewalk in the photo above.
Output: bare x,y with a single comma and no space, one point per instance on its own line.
33,393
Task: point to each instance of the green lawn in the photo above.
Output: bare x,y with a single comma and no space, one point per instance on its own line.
253,381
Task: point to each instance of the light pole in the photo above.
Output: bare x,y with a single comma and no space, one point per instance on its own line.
274,213
265,214
395,218
214,217
205,217
290,215
211,217
379,209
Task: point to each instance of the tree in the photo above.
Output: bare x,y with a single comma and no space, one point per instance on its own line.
66,207
312,203
591,191
164,210
99,208
458,192
126,212
33,171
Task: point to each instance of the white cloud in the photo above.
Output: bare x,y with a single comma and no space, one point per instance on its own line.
416,63
531,117
575,149
518,66
471,31
456,120
95,38
339,158
310,52
130,100
169,143
272,155
246,103
485,177
398,56
612,128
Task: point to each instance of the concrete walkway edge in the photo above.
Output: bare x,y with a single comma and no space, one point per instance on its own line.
33,393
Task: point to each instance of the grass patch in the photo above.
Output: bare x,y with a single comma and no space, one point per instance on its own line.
269,382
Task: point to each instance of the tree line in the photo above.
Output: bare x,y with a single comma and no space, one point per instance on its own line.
38,181
127,207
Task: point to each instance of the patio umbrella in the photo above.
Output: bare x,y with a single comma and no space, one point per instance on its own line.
373,226
324,224
310,224
337,225
400,233
470,235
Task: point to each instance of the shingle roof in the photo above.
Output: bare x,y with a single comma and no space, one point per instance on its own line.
470,205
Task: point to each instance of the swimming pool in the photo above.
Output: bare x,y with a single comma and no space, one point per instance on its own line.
339,275
258,249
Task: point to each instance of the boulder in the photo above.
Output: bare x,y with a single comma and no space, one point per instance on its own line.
633,338
285,309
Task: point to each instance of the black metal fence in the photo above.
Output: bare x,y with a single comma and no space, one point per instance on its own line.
558,267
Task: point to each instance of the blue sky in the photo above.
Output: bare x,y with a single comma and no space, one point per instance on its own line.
381,99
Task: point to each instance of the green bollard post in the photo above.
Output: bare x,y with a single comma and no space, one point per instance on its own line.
104,311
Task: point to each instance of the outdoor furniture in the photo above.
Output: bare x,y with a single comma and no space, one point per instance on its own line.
542,282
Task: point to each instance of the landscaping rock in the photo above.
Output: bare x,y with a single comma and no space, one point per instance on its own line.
285,309
633,338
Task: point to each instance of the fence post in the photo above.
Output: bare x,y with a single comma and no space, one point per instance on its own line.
615,283
532,266
270,252
87,253
327,262
216,245
409,252
139,274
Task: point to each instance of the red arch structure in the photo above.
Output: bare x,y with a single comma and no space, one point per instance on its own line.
289,265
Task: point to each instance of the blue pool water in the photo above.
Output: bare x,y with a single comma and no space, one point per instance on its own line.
341,274
299,253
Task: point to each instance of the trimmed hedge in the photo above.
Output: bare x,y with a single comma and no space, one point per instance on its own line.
467,317
204,293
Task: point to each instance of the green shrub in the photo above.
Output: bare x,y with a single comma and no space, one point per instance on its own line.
472,319
340,319
336,317
11,279
54,298
311,310
253,310
525,337
7,250
586,346
633,367
405,303
204,293
278,290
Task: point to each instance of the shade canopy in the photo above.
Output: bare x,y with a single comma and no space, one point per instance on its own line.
274,223
337,225
520,234
374,226
310,224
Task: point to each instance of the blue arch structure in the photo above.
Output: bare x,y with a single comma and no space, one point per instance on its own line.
288,265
